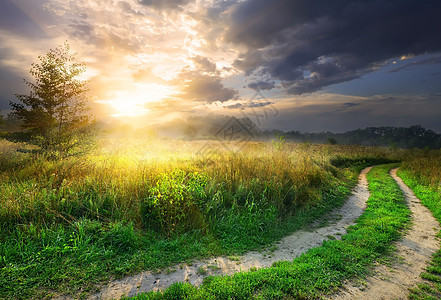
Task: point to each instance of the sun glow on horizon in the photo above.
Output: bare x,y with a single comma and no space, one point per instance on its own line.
128,107
133,103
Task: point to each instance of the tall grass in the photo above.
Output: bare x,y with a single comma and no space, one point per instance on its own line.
425,166
117,183
133,205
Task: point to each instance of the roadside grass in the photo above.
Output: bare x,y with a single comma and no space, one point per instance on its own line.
422,173
319,271
69,225
76,259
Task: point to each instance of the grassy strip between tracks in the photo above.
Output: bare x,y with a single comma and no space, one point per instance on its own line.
430,196
321,270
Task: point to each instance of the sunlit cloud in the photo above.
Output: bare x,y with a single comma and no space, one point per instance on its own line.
154,60
134,102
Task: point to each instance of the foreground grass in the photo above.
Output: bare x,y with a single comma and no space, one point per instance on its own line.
321,270
77,259
426,186
69,225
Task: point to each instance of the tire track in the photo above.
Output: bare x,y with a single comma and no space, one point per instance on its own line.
413,252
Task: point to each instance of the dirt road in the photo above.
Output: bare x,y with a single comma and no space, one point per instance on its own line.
413,252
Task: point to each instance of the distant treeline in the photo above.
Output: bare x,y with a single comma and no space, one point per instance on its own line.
400,137
221,127
211,127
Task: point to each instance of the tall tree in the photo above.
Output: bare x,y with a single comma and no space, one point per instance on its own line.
55,112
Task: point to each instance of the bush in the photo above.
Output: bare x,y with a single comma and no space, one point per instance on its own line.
175,202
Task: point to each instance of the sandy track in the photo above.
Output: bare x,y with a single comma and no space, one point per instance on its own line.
288,248
413,252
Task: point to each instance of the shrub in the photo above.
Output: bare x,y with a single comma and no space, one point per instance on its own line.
175,202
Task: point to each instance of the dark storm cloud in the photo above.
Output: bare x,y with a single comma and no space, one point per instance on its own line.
261,85
251,104
346,105
311,44
350,104
204,83
165,5
249,61
258,104
208,89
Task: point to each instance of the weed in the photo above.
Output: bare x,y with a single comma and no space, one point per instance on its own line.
213,267
273,248
279,142
233,257
169,270
201,271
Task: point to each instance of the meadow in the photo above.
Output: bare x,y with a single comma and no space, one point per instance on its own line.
70,224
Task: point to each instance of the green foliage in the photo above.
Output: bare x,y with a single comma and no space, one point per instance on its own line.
244,226
320,271
346,162
332,141
175,202
54,114
279,142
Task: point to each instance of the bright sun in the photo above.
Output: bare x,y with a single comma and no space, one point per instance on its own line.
133,103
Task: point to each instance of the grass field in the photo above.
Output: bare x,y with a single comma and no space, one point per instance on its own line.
70,224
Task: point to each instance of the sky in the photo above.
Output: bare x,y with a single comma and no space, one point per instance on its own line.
306,65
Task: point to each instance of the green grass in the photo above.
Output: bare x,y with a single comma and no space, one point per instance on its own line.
426,188
69,225
77,258
322,270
